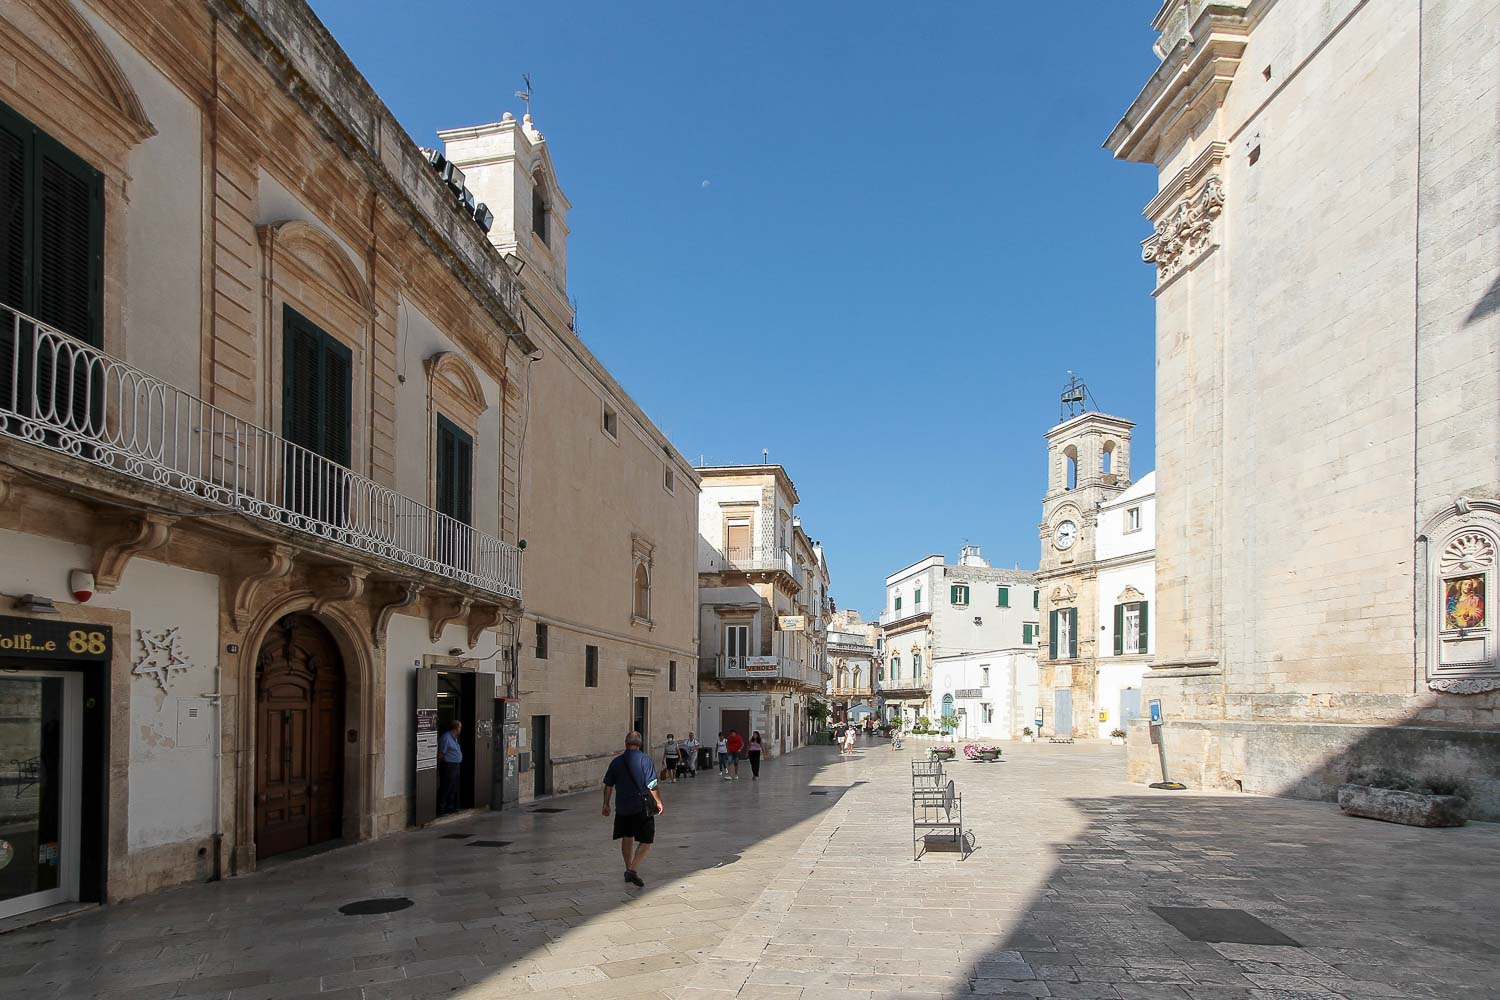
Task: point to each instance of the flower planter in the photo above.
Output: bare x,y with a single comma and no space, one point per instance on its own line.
1407,808
988,756
942,754
1028,739
1118,741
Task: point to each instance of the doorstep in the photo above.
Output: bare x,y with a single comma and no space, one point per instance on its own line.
47,914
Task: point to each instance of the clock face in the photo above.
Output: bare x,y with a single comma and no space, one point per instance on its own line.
1065,535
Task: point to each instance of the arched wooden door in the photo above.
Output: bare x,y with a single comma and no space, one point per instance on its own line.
299,704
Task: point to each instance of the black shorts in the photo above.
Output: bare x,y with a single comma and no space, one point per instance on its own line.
639,827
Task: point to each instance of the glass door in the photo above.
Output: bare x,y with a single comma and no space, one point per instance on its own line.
40,719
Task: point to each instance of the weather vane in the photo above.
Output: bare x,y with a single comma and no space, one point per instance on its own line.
525,95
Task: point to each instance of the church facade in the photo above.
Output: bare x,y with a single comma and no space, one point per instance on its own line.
1325,245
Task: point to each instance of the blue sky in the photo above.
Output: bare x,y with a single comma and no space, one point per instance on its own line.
869,237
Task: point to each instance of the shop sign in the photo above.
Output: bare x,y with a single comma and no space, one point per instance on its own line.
42,639
427,739
969,693
762,664
792,623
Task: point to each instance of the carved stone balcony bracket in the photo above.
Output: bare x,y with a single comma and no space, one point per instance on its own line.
338,583
481,619
136,534
1183,214
277,563
444,611
400,595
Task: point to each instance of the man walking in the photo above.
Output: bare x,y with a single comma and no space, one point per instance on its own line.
734,745
450,757
639,804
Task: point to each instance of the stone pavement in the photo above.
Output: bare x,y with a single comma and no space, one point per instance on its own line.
802,885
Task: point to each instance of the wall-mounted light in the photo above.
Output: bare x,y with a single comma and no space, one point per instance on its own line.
483,216
515,263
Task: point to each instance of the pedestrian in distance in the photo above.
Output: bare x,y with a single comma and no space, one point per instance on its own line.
723,751
638,804
450,760
690,754
754,752
735,746
670,758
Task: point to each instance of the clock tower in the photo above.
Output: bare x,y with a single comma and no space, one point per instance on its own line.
1088,464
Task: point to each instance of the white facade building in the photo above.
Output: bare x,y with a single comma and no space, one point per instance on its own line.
971,612
990,693
1126,593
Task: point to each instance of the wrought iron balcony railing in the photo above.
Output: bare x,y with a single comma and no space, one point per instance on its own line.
64,395
750,558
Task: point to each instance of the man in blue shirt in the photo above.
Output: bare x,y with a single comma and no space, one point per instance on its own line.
450,757
640,803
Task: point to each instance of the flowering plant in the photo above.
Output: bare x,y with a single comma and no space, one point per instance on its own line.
987,748
1118,734
943,748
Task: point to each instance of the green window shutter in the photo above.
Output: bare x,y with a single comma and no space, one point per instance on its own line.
301,388
338,401
1052,635
1005,597
13,184
455,460
1036,600
898,603
953,595
1144,630
1119,629
1026,634
1072,633
68,268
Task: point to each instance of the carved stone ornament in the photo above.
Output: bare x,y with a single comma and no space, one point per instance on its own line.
1129,596
161,656
333,584
481,619
1470,552
276,563
1062,593
401,595
1186,230
445,611
137,534
1464,685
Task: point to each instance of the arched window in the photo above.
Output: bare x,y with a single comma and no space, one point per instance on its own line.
895,668
642,592
1107,459
1070,455
855,678
916,666
539,207
1461,550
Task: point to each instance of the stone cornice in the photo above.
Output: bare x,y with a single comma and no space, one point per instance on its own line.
1194,76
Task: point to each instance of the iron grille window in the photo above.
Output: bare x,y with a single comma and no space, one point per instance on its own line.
591,666
541,640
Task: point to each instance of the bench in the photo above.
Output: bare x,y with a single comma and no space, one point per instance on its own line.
937,813
926,775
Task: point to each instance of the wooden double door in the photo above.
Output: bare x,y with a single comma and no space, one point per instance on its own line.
299,774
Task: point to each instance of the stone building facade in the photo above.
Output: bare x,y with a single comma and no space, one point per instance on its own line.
1088,467
763,608
937,612
852,663
1326,240
258,449
608,507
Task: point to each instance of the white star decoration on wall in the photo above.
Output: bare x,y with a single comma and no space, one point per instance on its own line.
161,656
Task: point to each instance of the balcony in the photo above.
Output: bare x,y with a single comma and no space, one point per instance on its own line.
851,640
753,559
61,394
782,669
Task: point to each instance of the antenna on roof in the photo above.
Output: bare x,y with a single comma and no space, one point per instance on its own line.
765,456
525,95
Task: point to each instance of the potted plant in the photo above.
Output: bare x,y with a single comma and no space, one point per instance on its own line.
987,752
943,751
1386,794
1027,736
1117,736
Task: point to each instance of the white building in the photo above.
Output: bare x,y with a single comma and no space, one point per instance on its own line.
968,617
989,693
1126,592
763,608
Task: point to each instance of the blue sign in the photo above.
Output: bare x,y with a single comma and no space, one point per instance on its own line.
1155,712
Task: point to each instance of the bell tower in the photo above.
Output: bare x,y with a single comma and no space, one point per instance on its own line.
1088,462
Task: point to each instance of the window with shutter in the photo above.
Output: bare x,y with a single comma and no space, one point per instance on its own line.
1036,599
455,492
316,417
1072,614
51,262
1004,597
1052,635
1144,630
1119,629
